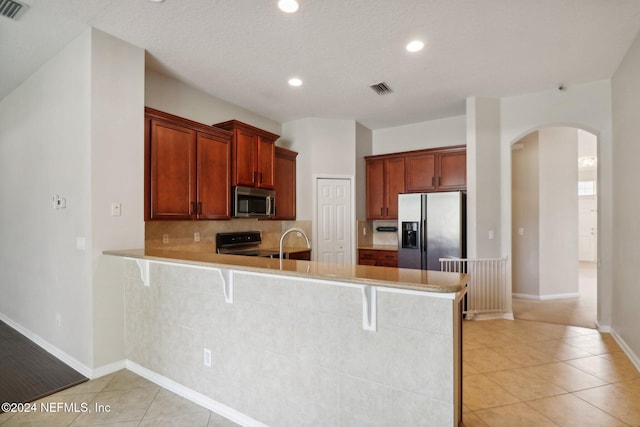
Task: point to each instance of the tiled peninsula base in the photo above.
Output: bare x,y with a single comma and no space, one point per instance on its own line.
290,351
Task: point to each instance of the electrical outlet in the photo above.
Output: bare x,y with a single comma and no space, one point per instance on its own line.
58,319
165,238
196,237
207,357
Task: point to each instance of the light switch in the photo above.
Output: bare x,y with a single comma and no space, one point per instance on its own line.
521,231
116,209
492,234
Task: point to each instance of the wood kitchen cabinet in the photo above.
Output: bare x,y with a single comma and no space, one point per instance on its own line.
441,169
187,169
300,255
385,180
379,258
252,155
285,184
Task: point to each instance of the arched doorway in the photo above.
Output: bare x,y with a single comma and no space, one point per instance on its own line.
553,210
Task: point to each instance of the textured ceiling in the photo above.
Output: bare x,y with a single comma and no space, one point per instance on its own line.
244,51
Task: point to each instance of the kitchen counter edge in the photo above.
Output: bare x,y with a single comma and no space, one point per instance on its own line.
398,278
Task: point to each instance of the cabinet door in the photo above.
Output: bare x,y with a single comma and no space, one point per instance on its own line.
265,163
367,257
214,187
388,258
173,171
245,172
453,171
421,173
304,255
375,189
394,185
285,184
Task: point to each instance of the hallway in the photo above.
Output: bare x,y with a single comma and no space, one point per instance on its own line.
579,311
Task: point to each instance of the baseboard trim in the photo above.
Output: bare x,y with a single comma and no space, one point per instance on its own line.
627,350
50,348
546,297
489,316
193,396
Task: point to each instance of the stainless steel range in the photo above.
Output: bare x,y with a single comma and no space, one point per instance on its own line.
245,243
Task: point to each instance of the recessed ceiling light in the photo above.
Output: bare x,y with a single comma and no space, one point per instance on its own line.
156,1
294,81
415,46
288,6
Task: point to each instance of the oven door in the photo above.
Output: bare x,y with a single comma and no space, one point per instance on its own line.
253,202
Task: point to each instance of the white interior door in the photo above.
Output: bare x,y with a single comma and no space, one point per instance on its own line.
333,204
587,223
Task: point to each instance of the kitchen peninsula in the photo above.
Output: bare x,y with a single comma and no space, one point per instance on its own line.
289,342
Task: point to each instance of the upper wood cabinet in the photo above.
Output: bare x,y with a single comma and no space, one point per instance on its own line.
423,171
187,169
385,180
442,169
452,168
252,155
285,183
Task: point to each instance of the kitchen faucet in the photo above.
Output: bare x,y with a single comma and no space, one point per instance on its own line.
299,230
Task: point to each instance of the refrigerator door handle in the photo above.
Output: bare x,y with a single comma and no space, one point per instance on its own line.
424,235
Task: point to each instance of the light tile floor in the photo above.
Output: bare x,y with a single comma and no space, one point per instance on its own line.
524,373
516,373
132,401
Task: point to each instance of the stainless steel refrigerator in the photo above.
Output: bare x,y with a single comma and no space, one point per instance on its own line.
431,226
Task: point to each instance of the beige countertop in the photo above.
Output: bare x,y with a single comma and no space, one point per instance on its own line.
290,250
379,247
399,278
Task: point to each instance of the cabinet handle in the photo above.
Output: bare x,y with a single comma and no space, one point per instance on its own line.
433,181
260,178
253,177
439,181
193,208
199,208
381,211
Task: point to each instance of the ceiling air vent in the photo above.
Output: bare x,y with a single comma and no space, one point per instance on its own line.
11,9
381,88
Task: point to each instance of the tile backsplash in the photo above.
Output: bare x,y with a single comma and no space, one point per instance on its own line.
180,235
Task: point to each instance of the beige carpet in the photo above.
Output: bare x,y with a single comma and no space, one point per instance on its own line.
573,311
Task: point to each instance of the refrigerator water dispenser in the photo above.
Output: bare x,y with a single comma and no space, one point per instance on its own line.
410,235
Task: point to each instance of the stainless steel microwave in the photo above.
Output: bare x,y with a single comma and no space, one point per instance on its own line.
253,202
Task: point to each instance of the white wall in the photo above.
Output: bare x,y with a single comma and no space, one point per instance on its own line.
326,147
626,205
586,106
73,128
419,136
364,147
169,95
558,183
117,175
483,177
45,138
525,248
